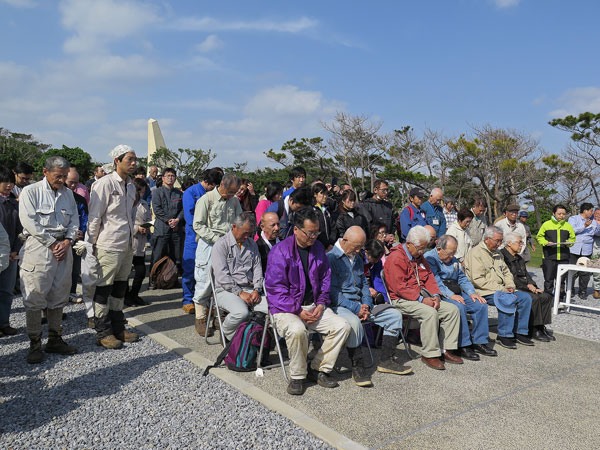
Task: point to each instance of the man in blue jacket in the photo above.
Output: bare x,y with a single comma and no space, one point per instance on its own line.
351,299
434,213
210,179
456,288
412,215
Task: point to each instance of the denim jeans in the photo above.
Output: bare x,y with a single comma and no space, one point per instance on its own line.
479,314
389,319
509,324
7,284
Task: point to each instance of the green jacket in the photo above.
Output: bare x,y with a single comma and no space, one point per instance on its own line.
560,232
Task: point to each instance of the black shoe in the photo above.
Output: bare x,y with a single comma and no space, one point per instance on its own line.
321,378
129,301
524,340
484,350
507,342
468,353
539,335
139,301
360,376
296,387
549,334
391,365
582,295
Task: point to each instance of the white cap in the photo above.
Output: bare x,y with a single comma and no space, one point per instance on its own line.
120,150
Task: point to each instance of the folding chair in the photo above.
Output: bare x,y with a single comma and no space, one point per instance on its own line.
402,335
269,323
214,303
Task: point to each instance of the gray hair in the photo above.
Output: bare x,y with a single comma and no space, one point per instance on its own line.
511,238
491,231
418,235
229,180
446,239
56,162
244,218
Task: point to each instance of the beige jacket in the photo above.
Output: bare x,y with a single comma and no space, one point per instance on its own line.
487,270
464,240
111,213
142,216
47,215
214,215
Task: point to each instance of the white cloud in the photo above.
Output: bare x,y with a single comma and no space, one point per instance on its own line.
212,42
20,3
506,3
578,100
96,23
270,118
210,24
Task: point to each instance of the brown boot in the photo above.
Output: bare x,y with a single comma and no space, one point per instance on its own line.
189,308
126,336
596,294
201,325
216,325
109,342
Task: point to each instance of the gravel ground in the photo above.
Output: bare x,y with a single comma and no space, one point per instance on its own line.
578,322
142,396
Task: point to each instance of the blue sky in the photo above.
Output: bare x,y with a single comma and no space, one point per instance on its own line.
244,77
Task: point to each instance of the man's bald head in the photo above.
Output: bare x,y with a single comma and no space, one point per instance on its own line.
353,240
432,233
269,224
72,179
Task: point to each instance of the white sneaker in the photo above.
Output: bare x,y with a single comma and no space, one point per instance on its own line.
75,298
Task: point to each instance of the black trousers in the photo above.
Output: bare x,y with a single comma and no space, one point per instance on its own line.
169,245
584,277
139,273
549,268
76,272
541,309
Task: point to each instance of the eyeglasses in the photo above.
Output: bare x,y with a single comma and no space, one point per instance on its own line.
384,190
169,176
310,235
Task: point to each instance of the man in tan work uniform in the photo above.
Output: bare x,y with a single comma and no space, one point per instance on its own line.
110,231
215,212
48,213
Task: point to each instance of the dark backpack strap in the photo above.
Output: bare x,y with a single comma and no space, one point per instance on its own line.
280,208
219,360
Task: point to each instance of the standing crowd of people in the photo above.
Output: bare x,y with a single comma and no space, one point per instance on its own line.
312,256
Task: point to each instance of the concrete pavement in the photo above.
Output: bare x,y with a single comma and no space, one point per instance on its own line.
533,397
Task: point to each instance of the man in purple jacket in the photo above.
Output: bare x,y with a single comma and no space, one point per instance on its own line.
297,286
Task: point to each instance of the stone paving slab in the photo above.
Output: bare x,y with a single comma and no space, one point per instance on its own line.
533,397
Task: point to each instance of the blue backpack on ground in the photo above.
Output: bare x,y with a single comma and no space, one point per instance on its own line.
241,352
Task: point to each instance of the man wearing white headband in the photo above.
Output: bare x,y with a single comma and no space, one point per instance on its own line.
110,231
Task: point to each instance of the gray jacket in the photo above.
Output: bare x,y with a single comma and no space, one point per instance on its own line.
167,204
236,269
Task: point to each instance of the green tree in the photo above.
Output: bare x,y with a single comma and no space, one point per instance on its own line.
19,147
309,153
189,163
78,158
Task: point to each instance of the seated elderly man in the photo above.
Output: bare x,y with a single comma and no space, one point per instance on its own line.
485,267
268,237
351,299
238,273
413,291
297,284
541,302
456,288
